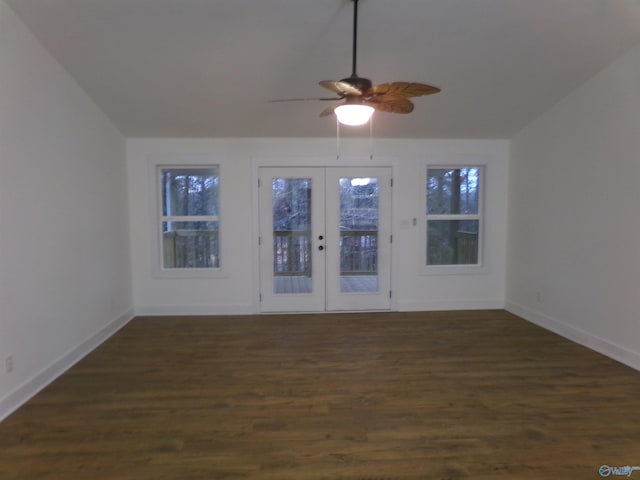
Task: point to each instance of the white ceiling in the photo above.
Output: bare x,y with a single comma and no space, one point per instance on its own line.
207,68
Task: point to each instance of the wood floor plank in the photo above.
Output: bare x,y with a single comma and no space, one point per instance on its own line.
395,396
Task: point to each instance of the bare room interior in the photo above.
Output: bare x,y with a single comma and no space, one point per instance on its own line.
208,273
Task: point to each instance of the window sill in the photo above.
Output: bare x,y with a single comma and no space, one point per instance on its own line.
203,273
455,270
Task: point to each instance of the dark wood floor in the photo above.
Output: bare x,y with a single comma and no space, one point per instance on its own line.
477,395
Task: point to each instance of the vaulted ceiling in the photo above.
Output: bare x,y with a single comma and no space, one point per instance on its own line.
207,68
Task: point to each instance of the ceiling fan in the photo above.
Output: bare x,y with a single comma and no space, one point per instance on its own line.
357,98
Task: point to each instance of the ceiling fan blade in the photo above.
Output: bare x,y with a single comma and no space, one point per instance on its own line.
310,99
330,109
340,87
404,89
390,103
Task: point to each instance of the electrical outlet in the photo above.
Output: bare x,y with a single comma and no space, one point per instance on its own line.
8,364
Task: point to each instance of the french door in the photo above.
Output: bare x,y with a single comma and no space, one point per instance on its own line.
325,239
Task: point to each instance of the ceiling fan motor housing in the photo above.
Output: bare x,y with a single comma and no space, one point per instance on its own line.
362,84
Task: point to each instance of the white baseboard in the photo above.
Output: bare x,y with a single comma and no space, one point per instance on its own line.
35,384
244,309
597,343
168,310
441,305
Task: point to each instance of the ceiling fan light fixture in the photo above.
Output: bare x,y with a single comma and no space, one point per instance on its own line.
353,114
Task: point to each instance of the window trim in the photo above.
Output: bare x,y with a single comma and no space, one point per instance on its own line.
455,269
158,261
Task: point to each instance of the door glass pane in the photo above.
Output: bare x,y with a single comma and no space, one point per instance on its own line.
292,273
358,235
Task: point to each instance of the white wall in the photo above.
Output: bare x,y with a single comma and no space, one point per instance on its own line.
64,266
574,228
236,291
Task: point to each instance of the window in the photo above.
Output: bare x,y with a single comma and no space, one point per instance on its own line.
190,224
453,216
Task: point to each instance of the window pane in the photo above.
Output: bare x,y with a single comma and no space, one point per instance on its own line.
190,191
453,191
190,245
452,242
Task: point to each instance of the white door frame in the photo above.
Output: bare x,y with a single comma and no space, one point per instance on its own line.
327,294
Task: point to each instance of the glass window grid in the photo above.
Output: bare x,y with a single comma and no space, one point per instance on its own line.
209,221
474,216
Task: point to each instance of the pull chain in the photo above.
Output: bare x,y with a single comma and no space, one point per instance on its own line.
337,139
371,138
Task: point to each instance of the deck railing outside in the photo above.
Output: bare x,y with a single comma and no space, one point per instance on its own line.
358,252
190,249
292,251
466,248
